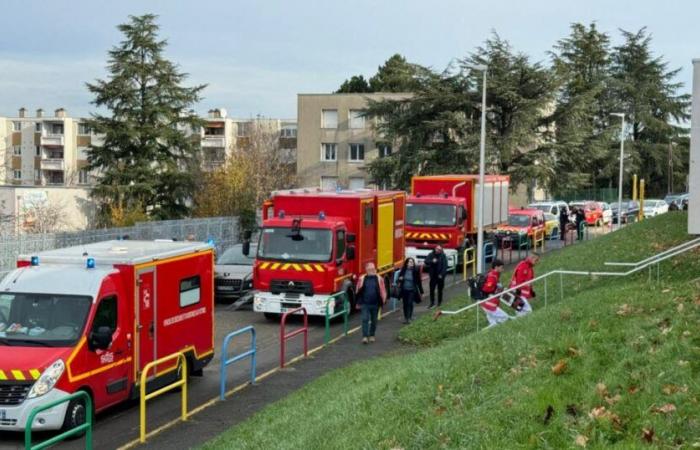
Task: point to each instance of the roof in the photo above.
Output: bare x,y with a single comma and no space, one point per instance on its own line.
461,177
119,252
56,279
346,193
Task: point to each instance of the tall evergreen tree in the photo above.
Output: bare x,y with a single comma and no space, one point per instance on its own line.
395,75
148,160
645,91
581,136
356,83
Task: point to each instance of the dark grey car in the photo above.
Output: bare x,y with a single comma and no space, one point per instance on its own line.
233,278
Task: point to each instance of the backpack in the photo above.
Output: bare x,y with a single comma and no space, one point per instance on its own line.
476,287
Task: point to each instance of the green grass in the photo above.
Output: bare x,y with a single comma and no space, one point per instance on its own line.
636,243
630,347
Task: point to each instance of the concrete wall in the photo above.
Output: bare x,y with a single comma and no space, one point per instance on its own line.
694,175
76,209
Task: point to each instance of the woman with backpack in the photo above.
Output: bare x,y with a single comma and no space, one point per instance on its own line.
409,287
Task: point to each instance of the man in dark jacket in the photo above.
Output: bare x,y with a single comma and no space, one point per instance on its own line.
436,264
563,222
371,296
580,219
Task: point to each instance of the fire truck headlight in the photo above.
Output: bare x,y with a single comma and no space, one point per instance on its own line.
48,379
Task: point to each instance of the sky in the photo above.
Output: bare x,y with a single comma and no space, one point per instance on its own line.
256,56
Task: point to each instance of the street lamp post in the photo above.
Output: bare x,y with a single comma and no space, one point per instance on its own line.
482,164
622,156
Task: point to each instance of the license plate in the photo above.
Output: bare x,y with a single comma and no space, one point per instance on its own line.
225,288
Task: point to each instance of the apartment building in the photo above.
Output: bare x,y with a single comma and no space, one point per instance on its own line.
44,150
222,135
336,140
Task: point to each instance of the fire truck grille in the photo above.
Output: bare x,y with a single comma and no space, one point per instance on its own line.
12,393
291,287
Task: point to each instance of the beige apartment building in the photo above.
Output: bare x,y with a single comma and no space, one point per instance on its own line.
335,140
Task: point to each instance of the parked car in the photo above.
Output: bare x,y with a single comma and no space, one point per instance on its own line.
593,211
676,198
233,277
607,212
551,223
654,207
630,211
554,207
522,223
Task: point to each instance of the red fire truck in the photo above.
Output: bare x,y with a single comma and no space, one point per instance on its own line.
90,317
314,244
442,210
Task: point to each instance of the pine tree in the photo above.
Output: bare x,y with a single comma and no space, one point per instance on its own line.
148,161
356,83
645,91
395,75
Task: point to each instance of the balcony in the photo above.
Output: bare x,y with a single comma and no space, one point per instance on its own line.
52,140
53,164
213,142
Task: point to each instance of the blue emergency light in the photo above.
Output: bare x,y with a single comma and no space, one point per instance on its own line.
90,263
34,261
281,214
211,242
321,215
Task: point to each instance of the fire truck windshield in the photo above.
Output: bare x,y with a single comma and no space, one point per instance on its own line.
42,319
518,220
435,215
309,244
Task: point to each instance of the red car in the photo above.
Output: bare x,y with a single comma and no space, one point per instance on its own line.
593,211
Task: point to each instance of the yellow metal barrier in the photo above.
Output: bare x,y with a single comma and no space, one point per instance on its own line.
181,382
466,261
539,239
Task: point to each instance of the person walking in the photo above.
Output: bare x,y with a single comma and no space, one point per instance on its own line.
494,314
436,263
409,286
580,218
523,273
371,296
563,222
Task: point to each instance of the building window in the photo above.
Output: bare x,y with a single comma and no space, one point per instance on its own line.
37,150
189,291
329,183
384,150
330,118
17,174
17,126
83,176
329,152
357,183
289,132
17,150
37,175
357,152
243,129
83,129
357,119
37,127
56,128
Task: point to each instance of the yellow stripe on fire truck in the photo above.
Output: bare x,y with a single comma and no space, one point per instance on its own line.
296,267
415,235
19,375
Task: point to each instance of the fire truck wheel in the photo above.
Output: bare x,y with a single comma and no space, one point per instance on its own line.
75,416
274,317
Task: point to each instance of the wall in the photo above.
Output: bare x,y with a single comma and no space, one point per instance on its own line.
694,175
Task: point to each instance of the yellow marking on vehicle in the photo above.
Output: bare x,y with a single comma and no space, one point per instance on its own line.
35,374
286,266
308,268
3,377
275,266
18,375
297,267
318,267
264,265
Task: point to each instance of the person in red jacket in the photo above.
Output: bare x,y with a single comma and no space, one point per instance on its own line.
494,314
523,273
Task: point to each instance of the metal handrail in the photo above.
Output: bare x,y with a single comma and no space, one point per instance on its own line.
468,261
345,312
250,353
180,356
87,426
658,255
573,272
285,336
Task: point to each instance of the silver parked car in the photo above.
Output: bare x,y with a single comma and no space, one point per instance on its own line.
233,278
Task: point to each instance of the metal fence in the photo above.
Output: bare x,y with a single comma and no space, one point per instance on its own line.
600,194
223,230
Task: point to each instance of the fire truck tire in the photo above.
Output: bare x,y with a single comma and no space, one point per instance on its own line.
75,416
274,317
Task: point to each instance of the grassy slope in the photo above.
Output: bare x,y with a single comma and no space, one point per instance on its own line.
636,243
492,389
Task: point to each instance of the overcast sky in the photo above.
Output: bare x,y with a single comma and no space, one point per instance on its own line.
257,55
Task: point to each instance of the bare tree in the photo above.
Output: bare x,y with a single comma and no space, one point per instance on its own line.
43,217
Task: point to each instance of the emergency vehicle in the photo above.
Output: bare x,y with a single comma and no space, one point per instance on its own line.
523,223
316,243
442,210
90,317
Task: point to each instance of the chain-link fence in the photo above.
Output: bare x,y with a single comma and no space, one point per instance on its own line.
223,230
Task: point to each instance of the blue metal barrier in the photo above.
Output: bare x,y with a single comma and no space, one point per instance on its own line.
226,362
490,253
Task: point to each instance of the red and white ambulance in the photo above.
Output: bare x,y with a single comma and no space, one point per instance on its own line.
89,318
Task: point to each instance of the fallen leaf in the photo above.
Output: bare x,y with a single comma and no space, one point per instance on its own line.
581,440
680,307
601,389
671,389
624,310
574,352
633,389
559,367
614,399
572,410
593,324
665,409
665,331
682,363
439,388
440,410
508,402
665,291
686,333
598,412
648,435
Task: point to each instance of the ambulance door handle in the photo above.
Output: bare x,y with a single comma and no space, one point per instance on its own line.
151,329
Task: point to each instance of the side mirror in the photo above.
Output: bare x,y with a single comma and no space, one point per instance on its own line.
246,248
350,252
339,262
350,238
464,214
100,339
